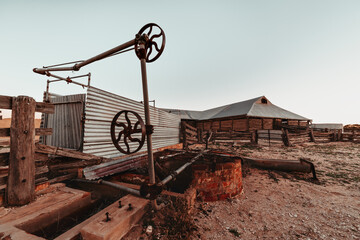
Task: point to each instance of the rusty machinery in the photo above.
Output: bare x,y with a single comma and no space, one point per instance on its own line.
127,127
126,134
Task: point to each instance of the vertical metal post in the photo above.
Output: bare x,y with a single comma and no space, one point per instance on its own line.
147,113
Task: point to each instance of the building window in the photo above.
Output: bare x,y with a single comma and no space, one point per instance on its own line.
264,101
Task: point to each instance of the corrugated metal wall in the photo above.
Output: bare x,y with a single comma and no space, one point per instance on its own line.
66,122
101,107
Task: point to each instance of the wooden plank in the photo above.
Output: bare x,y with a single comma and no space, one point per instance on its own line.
4,169
4,157
48,209
41,157
190,132
190,127
63,178
41,148
45,107
21,180
43,131
122,219
4,132
79,164
5,102
41,170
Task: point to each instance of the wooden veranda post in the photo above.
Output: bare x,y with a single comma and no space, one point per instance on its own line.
21,180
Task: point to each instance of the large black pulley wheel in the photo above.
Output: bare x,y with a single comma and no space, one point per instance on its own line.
126,137
154,42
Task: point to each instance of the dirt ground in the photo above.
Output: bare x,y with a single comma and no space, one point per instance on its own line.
277,205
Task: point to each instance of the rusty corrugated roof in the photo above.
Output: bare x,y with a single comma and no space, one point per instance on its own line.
251,108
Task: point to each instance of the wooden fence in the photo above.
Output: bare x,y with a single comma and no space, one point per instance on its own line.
17,167
286,136
353,136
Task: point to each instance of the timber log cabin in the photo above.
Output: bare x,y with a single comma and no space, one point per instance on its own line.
250,115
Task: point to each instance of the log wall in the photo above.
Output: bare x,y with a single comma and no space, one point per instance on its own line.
248,124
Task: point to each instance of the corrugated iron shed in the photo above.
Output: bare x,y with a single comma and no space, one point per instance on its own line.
101,106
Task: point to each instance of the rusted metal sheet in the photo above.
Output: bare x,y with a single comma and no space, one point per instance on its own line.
66,122
101,107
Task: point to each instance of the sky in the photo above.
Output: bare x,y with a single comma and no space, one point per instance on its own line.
302,55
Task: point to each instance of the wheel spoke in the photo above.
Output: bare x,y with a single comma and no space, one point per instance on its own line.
151,27
127,145
119,136
156,46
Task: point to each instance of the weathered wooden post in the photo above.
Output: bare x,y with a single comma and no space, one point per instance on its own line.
21,180
311,133
285,137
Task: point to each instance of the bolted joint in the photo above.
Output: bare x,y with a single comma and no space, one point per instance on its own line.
130,207
149,129
150,191
141,52
107,217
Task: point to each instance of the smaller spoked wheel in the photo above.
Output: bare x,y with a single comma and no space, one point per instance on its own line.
127,137
155,42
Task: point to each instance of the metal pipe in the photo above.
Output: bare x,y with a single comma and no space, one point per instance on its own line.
114,185
62,64
123,188
65,79
77,66
180,169
105,54
147,115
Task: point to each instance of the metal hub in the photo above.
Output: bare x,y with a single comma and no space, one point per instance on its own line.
144,37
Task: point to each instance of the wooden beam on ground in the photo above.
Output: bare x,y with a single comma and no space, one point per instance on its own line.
41,148
121,219
21,179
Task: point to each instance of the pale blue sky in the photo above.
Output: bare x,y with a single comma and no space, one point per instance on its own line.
303,55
